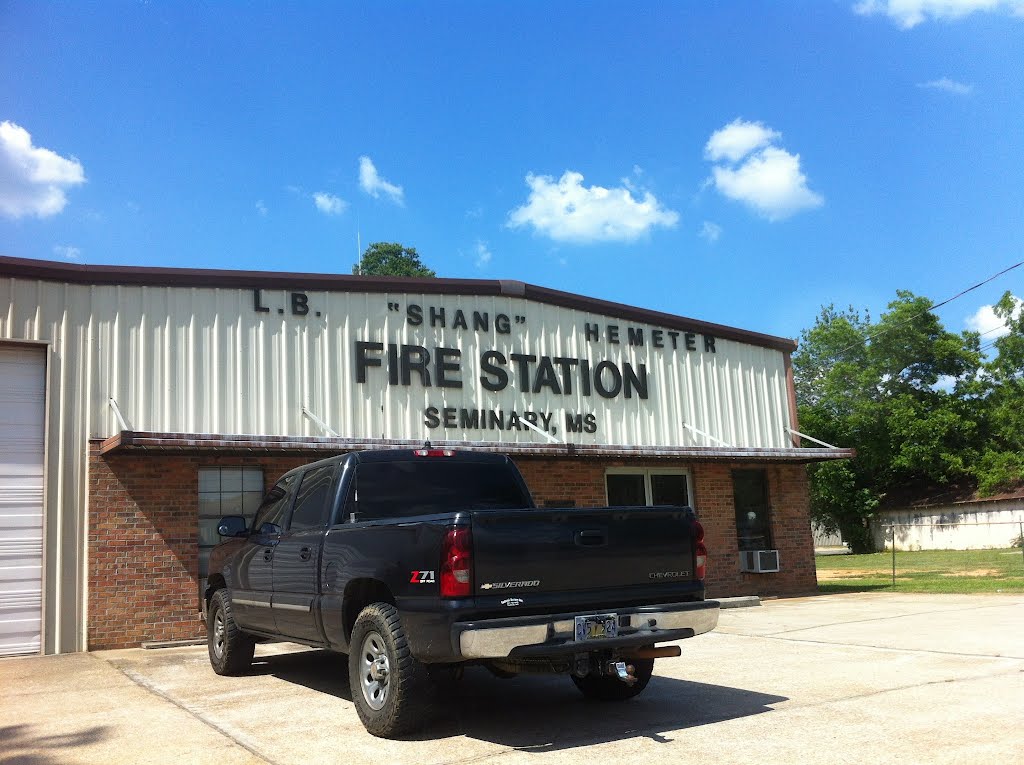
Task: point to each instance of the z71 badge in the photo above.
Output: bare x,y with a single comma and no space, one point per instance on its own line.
422,577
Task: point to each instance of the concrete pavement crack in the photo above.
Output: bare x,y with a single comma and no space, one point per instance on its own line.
775,636
146,685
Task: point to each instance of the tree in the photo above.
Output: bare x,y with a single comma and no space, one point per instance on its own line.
1000,466
391,259
903,391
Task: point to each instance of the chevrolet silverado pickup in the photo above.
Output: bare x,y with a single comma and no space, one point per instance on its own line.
416,563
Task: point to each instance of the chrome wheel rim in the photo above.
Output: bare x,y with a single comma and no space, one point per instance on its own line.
374,671
218,633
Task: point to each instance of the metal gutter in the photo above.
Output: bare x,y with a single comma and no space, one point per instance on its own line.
149,442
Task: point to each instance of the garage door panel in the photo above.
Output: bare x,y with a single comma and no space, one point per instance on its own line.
22,403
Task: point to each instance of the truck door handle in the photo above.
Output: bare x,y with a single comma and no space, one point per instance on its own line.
268,554
591,538
305,553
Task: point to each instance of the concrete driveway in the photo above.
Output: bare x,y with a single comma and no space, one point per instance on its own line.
860,678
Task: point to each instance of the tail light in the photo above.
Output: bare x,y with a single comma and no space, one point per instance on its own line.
701,569
457,563
434,452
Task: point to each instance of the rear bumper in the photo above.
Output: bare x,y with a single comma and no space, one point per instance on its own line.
552,635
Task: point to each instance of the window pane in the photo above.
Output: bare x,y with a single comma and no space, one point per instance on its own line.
209,479
668,489
251,502
231,479
231,503
252,480
311,504
209,505
750,494
626,489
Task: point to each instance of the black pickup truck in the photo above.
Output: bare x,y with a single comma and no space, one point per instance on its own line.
416,563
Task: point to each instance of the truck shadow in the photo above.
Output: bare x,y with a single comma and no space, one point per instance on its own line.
541,713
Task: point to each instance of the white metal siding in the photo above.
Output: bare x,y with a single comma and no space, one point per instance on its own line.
22,411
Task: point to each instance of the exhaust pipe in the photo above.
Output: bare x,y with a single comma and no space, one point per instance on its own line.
655,652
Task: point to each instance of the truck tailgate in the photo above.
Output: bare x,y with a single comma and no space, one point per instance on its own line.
571,549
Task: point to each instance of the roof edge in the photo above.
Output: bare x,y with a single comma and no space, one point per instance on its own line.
145,441
80,273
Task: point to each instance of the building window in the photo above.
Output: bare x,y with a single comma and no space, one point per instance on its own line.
225,491
647,486
750,495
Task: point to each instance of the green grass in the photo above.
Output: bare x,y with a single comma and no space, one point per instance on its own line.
943,571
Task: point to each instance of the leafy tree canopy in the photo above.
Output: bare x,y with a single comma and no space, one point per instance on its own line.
911,397
391,259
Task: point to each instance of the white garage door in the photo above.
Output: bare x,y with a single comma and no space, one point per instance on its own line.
22,407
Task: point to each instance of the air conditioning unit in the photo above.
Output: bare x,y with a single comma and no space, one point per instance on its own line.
759,561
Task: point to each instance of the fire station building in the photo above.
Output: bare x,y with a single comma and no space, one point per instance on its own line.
139,405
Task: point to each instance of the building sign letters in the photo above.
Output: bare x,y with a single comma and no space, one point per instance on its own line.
383,364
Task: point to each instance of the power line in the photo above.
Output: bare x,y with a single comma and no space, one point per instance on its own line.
933,307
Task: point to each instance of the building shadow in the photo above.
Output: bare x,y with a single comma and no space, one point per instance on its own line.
22,745
541,713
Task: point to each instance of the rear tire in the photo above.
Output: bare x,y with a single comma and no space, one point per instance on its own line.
391,690
606,688
230,649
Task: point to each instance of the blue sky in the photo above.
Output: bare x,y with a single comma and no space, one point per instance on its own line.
737,162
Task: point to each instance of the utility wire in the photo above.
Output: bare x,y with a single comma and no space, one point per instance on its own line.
932,308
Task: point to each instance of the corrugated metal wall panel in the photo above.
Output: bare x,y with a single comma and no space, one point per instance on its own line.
203,360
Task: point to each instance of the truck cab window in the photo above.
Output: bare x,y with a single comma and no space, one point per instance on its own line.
311,504
270,517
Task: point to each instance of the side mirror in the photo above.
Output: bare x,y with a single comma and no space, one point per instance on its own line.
232,526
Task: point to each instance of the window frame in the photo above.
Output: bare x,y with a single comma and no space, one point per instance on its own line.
647,472
202,517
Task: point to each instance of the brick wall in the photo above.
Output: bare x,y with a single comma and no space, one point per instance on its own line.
143,544
143,532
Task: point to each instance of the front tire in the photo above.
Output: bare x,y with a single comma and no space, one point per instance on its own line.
230,649
607,688
390,688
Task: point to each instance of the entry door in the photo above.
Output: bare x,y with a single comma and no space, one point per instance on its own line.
22,418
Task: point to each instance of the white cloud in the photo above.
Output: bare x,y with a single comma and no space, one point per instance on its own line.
770,181
910,13
329,204
33,179
67,252
483,254
737,139
261,208
371,182
710,231
567,211
948,85
985,321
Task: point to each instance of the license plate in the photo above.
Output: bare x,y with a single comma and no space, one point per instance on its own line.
597,627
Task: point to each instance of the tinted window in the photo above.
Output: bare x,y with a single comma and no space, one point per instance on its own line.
274,506
431,485
311,504
750,494
626,489
668,489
